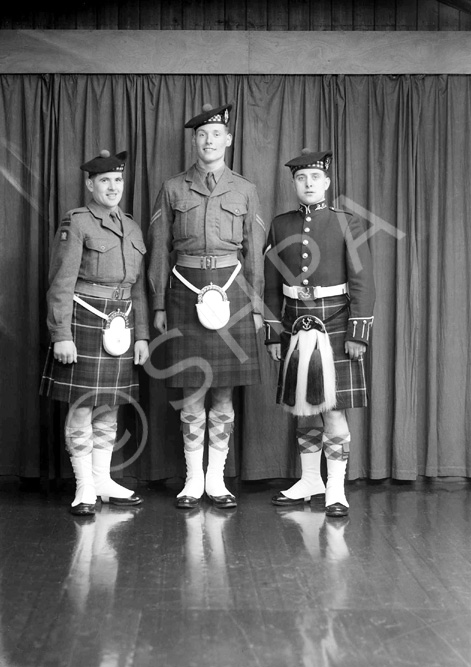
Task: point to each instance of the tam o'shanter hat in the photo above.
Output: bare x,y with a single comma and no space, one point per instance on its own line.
310,160
105,162
210,115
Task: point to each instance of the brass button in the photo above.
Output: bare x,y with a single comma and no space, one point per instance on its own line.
307,229
305,282
308,219
304,269
305,242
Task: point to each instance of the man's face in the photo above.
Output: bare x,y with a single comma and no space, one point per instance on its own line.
211,141
310,185
107,188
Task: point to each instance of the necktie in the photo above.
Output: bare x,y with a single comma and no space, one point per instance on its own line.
115,218
210,181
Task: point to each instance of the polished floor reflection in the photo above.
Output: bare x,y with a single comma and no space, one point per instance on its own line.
255,586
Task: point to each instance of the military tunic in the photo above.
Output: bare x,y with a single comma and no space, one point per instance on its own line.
189,219
317,246
92,249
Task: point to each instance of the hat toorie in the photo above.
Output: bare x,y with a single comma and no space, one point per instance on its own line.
210,115
105,162
310,160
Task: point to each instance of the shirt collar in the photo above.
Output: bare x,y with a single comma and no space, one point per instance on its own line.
307,209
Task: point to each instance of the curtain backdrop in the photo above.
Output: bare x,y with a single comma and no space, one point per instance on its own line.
402,161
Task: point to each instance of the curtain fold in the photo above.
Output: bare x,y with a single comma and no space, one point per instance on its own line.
402,161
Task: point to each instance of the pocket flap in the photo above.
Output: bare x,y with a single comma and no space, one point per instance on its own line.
186,205
234,207
139,245
101,245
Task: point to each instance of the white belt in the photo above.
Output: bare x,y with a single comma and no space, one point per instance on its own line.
310,292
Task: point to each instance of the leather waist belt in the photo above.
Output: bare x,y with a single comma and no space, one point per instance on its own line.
103,291
310,292
207,261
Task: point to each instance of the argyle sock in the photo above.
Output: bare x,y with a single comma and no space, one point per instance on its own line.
79,443
336,450
310,448
104,437
193,428
220,425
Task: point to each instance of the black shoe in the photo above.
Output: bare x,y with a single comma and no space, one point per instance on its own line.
283,501
187,502
223,502
337,509
83,509
124,502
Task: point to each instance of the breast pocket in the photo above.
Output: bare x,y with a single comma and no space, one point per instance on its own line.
100,256
232,219
138,252
187,214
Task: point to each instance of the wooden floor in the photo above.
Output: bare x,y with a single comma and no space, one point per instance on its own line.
256,586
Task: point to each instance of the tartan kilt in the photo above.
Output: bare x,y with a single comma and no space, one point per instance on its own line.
200,357
350,375
97,378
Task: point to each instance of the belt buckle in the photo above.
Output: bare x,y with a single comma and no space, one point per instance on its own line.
315,292
117,293
304,293
208,262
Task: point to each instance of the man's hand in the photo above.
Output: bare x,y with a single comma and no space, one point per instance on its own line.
65,352
274,350
160,321
355,350
141,352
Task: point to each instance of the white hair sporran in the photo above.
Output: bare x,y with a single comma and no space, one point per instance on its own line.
308,386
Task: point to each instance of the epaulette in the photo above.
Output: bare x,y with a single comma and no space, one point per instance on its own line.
244,178
82,209
174,176
339,210
128,215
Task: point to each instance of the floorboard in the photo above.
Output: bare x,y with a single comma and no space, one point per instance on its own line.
257,586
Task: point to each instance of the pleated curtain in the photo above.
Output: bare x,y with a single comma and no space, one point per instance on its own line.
402,147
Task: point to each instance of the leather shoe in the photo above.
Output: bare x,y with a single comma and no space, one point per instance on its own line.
83,509
223,502
124,502
337,509
187,502
283,501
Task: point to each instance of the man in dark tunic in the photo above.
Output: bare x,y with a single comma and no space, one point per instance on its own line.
319,298
206,230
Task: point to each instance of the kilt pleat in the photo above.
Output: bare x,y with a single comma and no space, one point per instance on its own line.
350,375
97,378
196,356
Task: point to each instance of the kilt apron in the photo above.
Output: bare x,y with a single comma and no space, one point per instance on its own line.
197,356
97,378
350,375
